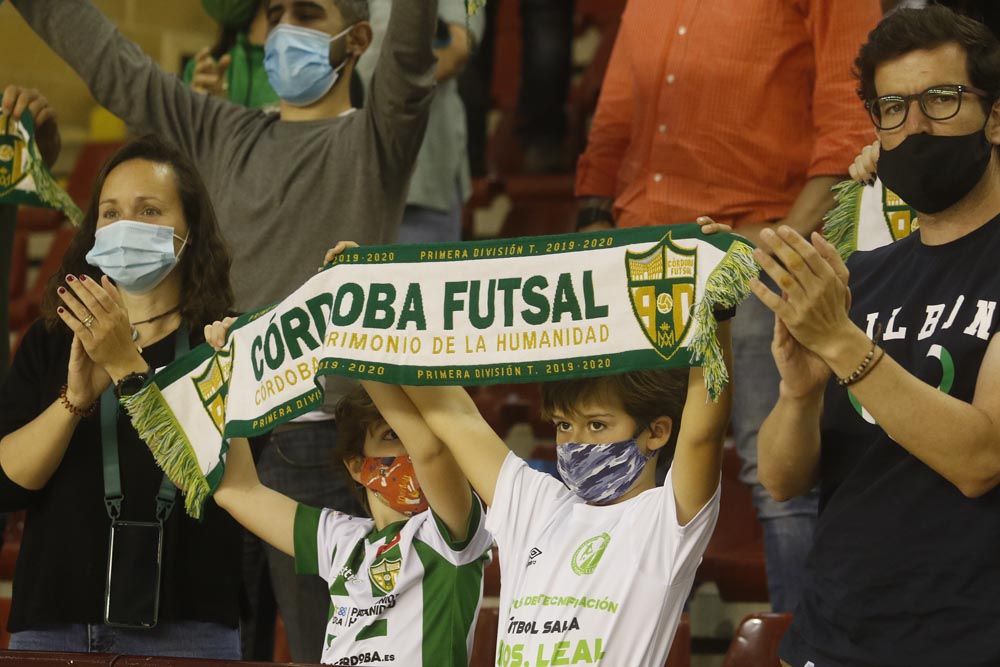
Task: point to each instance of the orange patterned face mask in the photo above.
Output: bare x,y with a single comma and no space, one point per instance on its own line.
394,482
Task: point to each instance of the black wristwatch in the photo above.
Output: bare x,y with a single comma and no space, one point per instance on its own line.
131,384
724,314
593,214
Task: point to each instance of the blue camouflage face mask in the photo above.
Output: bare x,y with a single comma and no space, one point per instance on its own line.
297,62
136,255
600,473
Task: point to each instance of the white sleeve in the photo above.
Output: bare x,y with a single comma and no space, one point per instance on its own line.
521,496
671,550
324,536
477,540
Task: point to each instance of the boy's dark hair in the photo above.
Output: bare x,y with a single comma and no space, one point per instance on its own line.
909,30
356,417
644,395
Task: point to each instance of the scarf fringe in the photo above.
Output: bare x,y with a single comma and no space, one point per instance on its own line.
49,191
840,225
727,286
160,430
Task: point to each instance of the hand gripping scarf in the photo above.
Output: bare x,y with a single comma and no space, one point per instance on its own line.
24,178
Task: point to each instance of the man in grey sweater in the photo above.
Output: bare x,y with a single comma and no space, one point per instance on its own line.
285,186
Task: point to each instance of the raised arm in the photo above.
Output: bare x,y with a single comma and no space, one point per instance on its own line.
127,81
464,31
453,57
698,459
403,82
264,512
441,479
454,418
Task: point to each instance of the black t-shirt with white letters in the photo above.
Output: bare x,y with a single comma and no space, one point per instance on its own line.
905,569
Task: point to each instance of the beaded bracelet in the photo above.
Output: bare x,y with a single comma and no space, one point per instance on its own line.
865,367
73,410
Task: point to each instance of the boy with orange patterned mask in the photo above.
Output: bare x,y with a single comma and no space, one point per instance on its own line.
394,482
425,540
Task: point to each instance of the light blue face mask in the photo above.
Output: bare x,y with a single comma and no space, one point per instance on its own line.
136,255
600,473
297,62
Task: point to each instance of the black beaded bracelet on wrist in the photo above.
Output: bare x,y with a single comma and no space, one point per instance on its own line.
867,365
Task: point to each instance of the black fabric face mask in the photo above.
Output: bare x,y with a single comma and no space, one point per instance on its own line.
932,173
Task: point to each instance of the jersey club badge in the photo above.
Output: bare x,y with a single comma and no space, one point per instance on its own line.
384,570
588,555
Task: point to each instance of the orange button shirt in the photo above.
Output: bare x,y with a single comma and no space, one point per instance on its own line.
726,107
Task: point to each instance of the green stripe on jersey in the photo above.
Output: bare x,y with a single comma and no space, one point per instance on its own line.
451,598
470,531
379,628
306,550
389,532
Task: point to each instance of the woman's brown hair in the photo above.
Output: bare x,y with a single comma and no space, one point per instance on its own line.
206,294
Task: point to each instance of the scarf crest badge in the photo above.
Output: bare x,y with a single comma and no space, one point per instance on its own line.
24,178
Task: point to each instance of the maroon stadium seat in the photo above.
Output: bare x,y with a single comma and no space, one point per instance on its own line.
756,641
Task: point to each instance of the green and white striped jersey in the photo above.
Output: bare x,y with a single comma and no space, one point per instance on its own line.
408,594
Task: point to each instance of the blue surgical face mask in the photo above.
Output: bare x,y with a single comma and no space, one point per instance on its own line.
297,62
136,255
600,473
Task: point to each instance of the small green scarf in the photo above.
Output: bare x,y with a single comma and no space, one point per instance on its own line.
866,217
24,178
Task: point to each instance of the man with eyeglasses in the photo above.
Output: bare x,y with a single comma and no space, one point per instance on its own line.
890,379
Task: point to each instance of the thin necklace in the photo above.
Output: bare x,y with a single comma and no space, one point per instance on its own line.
135,332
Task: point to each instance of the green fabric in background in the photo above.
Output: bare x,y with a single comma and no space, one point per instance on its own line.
8,216
247,79
229,13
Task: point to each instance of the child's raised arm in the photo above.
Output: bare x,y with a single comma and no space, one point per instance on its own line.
454,418
264,512
697,462
440,478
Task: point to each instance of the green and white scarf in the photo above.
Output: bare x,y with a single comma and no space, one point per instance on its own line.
24,178
517,310
866,217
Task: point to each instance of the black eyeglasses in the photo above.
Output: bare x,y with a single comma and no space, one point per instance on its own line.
937,103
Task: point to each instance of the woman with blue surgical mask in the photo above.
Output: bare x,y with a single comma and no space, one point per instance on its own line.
110,562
